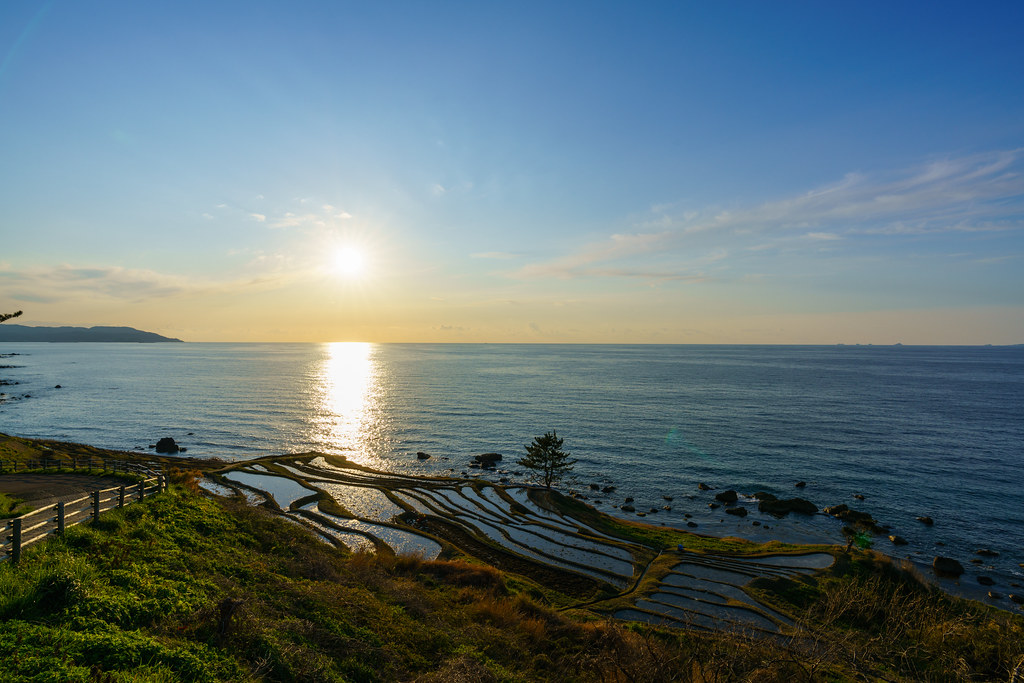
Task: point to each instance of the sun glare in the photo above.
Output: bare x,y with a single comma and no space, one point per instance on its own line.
349,262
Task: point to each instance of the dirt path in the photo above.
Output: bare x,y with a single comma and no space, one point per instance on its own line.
39,490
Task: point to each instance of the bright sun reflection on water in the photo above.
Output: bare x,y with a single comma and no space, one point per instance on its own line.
349,388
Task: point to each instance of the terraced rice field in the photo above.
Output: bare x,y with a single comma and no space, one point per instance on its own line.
706,592
510,529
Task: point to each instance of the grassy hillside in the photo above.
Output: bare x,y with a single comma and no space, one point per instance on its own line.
181,587
184,588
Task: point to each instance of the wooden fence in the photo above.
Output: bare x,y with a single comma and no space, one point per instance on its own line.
21,532
75,465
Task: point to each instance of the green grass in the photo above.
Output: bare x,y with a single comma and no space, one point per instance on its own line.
184,588
12,507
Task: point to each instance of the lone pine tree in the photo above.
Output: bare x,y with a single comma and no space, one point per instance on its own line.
547,459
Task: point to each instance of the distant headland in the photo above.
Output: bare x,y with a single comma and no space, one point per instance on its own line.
24,333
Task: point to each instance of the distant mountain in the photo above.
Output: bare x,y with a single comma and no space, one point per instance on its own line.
23,333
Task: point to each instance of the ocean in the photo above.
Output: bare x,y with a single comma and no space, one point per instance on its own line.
917,431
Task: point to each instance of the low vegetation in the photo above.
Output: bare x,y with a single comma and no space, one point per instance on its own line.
182,587
12,507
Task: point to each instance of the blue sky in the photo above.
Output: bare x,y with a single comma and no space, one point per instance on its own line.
673,172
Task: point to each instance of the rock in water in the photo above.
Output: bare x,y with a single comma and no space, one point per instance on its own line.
947,566
487,460
703,487
167,445
739,512
781,508
422,456
927,521
898,540
986,581
728,497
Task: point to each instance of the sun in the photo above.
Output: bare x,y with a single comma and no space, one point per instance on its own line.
349,262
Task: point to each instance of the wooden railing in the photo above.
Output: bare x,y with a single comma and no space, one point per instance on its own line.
21,532
75,465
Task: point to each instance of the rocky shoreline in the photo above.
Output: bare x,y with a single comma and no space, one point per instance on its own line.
762,516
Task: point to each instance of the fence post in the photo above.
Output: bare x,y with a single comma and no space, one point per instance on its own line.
74,464
16,540
95,506
60,518
120,496
142,490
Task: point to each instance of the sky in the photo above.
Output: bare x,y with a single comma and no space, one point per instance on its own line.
608,172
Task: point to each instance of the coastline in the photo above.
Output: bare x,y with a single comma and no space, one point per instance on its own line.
794,530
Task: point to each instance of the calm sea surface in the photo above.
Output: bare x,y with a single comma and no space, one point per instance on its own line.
935,431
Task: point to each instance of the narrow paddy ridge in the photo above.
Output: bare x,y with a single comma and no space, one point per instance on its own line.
520,531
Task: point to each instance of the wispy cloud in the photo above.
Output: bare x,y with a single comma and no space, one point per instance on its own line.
67,283
500,255
979,193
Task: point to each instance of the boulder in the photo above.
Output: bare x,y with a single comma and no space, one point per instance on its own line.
595,487
853,517
898,540
608,489
764,495
692,525
167,445
947,566
927,521
781,508
629,499
995,596
1016,598
739,512
714,506
985,552
801,484
858,496
422,456
487,459
668,498
628,508
703,487
986,581
728,497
